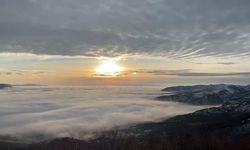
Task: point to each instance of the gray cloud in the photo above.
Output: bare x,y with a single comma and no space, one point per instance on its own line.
227,63
189,73
168,72
6,73
218,63
178,29
22,72
196,74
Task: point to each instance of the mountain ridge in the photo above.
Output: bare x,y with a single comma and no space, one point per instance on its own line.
4,86
204,94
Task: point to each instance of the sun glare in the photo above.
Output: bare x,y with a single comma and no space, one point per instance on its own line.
109,68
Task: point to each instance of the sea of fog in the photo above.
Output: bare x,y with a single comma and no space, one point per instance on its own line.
75,111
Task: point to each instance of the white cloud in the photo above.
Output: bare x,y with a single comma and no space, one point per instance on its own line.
51,111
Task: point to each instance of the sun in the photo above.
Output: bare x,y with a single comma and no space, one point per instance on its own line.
109,68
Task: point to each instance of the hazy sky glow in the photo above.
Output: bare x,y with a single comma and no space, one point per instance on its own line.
61,41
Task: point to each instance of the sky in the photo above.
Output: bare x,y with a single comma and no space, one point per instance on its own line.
175,41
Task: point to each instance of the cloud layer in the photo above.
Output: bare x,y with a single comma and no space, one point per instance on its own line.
76,111
178,29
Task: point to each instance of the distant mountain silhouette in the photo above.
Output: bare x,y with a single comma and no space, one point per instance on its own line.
204,94
3,86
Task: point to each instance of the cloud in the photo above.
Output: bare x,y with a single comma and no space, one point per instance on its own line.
197,74
189,73
22,72
176,29
167,72
58,116
218,63
6,73
227,63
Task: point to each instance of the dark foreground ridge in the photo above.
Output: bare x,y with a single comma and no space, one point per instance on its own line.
226,127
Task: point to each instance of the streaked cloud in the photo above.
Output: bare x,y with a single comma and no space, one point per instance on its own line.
227,63
6,73
175,29
189,73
